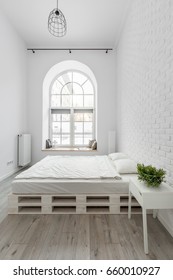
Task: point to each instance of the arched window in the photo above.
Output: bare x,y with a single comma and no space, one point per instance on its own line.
72,110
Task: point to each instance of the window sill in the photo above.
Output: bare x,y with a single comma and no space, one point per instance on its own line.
70,149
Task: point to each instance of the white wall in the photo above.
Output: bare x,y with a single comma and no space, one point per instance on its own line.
103,67
12,95
145,87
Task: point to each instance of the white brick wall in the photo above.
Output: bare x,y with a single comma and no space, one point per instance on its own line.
145,85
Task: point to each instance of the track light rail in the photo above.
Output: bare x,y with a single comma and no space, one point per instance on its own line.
70,49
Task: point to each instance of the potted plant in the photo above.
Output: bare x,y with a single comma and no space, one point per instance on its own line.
150,175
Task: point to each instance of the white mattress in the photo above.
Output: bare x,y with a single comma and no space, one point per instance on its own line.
77,186
72,167
67,174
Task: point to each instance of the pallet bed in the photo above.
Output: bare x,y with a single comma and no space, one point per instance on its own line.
73,185
71,204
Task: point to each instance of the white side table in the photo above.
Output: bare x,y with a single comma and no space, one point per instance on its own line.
149,198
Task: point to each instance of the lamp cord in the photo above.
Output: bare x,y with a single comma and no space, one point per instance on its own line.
57,4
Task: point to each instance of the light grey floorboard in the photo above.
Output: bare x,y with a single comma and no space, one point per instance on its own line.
94,237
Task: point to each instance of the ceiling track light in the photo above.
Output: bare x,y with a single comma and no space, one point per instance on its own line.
57,25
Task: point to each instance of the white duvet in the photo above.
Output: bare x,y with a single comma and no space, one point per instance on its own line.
72,167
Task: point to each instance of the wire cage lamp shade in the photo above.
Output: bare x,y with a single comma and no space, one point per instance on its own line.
57,25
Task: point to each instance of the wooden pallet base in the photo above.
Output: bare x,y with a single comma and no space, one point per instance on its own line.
71,204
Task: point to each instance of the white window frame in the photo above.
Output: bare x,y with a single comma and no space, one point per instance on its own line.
72,111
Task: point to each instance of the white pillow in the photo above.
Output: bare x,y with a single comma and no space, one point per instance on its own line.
125,166
115,156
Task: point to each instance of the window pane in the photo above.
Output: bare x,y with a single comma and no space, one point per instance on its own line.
65,78
55,100
79,78
77,89
65,139
78,117
78,139
67,89
56,117
88,101
88,126
86,139
65,127
88,88
78,101
88,117
56,88
65,117
56,140
78,127
66,100
56,127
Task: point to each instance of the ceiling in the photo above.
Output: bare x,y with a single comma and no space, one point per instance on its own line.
90,23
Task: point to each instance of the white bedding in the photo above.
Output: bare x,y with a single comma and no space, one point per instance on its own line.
72,167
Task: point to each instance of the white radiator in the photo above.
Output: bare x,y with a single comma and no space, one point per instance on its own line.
24,149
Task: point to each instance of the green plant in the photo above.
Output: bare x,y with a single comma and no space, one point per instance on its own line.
150,175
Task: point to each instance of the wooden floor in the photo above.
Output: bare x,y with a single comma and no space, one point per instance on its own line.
82,237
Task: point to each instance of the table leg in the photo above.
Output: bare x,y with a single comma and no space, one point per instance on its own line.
145,234
154,213
129,205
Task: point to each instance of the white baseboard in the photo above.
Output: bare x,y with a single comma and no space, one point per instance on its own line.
165,224
9,174
2,178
